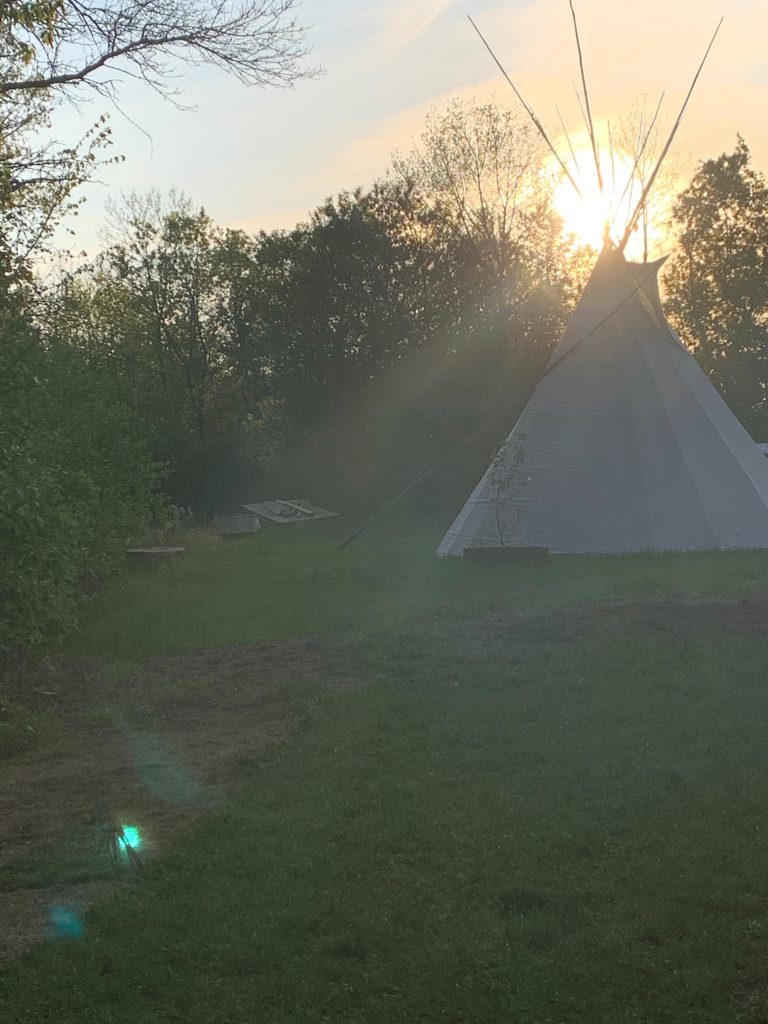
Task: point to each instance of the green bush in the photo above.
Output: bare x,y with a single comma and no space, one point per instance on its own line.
38,550
76,485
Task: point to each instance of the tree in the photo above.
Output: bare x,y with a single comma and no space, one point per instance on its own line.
335,302
76,470
717,283
67,43
479,166
634,151
154,307
38,186
50,47
161,260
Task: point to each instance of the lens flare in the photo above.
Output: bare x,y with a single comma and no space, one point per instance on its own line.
64,922
129,840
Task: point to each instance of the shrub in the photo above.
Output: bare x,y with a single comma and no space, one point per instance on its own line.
76,485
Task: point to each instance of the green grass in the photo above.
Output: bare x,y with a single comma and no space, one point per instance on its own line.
280,584
21,729
78,855
554,820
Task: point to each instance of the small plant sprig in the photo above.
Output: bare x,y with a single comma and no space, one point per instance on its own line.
508,480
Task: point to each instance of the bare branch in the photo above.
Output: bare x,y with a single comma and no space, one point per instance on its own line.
257,41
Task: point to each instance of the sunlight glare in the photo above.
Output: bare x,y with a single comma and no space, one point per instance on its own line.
586,217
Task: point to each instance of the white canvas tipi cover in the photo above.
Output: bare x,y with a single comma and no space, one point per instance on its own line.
624,445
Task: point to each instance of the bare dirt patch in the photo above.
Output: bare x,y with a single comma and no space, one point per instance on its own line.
668,619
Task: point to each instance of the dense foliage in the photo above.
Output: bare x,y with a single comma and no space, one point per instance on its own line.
76,476
77,473
75,484
718,280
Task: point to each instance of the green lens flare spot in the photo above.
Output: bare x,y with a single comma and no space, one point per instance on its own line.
130,839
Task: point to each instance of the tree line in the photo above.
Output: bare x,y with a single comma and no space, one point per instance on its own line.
196,367
267,358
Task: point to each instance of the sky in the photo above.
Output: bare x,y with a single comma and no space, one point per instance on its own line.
263,159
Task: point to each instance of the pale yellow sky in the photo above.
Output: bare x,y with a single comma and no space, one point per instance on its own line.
265,159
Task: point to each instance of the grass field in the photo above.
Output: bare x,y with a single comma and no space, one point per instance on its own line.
500,794
281,584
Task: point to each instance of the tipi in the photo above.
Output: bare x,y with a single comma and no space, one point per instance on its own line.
624,445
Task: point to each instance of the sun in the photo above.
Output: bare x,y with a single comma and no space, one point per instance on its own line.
586,217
